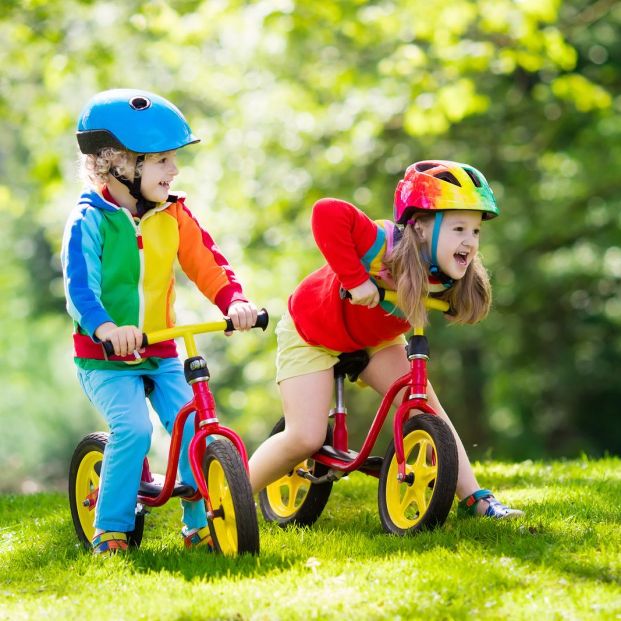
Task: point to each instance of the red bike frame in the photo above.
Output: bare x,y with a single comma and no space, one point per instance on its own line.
415,398
203,405
205,423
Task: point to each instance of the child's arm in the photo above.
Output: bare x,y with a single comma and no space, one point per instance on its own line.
344,234
81,261
201,259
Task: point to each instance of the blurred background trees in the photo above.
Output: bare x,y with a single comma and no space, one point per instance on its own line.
297,100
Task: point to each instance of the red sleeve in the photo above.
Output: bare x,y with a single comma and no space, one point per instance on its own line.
343,234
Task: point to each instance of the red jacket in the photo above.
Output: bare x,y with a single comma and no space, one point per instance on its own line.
354,247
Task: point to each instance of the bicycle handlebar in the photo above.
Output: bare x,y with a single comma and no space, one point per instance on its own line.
391,296
225,325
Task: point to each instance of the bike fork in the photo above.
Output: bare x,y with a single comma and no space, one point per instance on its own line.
416,397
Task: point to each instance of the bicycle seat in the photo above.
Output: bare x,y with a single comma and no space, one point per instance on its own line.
351,364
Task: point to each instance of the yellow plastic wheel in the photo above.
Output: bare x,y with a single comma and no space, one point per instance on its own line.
292,499
87,489
234,526
84,475
424,499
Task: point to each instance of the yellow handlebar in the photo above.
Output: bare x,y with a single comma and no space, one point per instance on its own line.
430,303
188,331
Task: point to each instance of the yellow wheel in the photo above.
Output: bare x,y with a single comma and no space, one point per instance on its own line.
84,474
424,499
293,499
234,526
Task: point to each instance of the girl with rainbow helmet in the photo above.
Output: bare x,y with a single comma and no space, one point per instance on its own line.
438,186
431,247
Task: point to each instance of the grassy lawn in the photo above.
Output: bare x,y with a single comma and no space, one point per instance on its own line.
563,561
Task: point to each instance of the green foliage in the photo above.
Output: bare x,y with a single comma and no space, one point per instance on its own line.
297,100
562,561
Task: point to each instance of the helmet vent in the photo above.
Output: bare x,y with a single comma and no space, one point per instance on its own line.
449,177
475,179
140,103
423,166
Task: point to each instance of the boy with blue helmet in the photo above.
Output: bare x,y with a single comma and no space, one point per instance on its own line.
135,121
119,250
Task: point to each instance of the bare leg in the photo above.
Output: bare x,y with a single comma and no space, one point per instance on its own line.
306,402
389,364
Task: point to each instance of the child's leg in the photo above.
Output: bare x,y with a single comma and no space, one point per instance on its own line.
119,396
306,402
385,367
170,393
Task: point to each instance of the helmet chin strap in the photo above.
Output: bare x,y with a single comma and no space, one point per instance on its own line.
142,204
434,268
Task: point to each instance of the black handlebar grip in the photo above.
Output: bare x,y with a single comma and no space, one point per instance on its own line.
109,348
346,295
262,321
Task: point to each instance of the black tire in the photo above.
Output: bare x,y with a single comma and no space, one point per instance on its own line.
84,473
424,501
234,526
293,500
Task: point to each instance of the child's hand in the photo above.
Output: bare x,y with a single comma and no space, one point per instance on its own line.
365,294
243,315
124,339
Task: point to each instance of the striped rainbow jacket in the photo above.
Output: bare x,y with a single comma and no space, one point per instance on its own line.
119,270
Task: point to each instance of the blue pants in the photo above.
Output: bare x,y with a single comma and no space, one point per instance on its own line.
120,397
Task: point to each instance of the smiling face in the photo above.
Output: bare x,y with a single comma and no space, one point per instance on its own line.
458,242
158,172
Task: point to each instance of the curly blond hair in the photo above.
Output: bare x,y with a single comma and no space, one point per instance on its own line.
95,167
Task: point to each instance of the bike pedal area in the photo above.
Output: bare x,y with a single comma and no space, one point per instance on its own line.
154,488
373,463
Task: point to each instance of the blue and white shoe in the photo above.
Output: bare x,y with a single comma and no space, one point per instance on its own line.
467,507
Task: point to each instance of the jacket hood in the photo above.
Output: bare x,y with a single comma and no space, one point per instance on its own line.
94,199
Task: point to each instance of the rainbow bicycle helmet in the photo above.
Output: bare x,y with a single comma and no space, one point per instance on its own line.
438,186
132,120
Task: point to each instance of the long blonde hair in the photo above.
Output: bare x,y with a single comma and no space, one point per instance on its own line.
470,297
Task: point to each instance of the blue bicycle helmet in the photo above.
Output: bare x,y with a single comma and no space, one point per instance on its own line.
134,120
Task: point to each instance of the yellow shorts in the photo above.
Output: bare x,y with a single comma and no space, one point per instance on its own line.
296,357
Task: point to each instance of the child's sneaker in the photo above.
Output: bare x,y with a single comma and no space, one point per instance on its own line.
495,509
195,537
109,542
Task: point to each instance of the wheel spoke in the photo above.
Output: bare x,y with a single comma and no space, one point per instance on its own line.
296,483
419,492
423,471
409,496
226,527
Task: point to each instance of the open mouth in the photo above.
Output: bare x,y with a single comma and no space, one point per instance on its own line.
461,258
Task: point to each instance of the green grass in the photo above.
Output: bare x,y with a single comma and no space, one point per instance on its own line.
563,561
